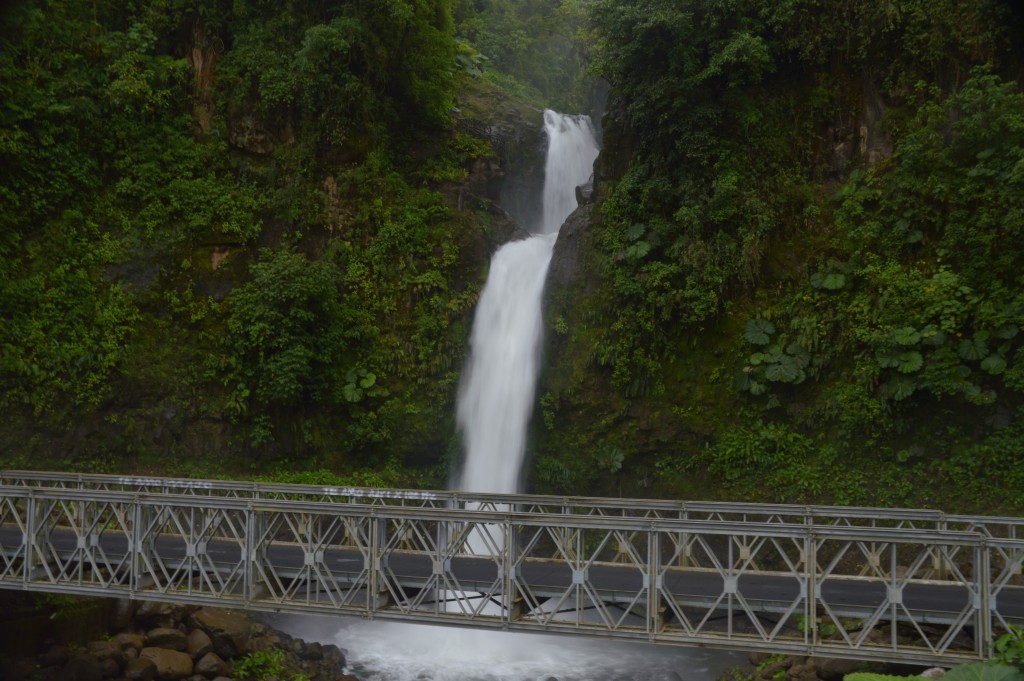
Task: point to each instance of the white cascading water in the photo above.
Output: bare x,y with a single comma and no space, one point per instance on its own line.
497,393
572,150
495,402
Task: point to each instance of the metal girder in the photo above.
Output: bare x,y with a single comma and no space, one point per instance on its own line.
596,506
925,588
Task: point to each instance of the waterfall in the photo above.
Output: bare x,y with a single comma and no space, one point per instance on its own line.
497,390
495,401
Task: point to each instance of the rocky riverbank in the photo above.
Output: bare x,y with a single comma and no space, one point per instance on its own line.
776,667
151,641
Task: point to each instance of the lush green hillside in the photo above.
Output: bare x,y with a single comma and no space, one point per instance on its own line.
804,280
246,237
241,236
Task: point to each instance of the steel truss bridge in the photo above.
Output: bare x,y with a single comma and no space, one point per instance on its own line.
873,584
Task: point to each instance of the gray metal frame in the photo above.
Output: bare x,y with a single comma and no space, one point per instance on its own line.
846,516
912,586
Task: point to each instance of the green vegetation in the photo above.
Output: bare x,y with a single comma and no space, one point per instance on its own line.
231,227
261,665
1004,666
260,231
804,282
535,48
266,665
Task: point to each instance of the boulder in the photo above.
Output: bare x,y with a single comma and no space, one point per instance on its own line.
312,651
934,673
229,631
152,614
109,667
835,668
770,670
199,643
19,669
56,656
163,637
266,642
585,192
334,655
802,672
211,665
140,669
105,650
47,674
170,664
81,668
130,641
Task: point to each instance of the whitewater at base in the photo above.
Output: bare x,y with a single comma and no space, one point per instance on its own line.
387,651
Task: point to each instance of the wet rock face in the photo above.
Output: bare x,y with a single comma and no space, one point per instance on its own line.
585,192
861,138
573,238
514,177
249,134
620,142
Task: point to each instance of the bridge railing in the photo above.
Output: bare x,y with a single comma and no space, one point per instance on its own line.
530,503
878,593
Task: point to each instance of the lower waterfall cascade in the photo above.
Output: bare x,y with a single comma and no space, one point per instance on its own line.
498,384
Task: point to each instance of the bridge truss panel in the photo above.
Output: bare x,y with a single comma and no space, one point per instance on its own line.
14,553
317,560
917,594
191,549
710,585
587,578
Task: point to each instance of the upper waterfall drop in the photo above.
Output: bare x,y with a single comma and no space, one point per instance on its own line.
498,384
572,150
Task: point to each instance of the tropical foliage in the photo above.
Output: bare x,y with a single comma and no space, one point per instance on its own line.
247,228
817,231
211,215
